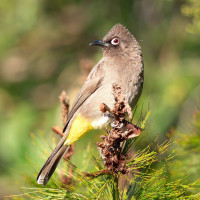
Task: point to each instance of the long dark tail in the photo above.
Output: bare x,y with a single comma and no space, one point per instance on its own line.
51,163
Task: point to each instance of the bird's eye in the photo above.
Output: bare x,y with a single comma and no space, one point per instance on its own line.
115,41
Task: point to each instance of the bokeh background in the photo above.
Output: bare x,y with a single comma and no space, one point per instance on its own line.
44,50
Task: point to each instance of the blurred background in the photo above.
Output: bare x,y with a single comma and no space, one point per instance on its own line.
44,50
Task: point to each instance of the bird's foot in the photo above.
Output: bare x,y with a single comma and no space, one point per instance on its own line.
115,124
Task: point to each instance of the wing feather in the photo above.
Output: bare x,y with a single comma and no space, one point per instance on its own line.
92,83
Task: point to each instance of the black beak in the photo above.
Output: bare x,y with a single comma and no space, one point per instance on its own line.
99,43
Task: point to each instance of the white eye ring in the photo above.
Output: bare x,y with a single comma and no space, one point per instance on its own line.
115,41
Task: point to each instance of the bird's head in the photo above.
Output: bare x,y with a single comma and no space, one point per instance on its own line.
117,41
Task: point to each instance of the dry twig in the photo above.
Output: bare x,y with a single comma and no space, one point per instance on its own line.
121,130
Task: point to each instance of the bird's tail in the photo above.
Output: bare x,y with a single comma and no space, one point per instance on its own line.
51,163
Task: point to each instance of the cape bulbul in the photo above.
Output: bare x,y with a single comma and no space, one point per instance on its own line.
122,63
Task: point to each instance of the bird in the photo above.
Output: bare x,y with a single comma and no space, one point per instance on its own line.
122,63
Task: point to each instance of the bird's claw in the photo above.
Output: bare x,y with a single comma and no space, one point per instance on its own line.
116,125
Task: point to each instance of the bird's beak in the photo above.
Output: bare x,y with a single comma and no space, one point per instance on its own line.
99,43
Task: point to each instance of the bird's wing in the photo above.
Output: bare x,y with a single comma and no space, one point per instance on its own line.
92,83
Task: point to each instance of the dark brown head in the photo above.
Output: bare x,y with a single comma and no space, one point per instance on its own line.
118,41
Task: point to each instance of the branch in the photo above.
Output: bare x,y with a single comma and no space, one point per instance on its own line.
121,130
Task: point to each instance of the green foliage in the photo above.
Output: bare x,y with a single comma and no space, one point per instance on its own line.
186,163
192,9
144,183
150,172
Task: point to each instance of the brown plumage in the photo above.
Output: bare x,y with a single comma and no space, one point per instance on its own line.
122,63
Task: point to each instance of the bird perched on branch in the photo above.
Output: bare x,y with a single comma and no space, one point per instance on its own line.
122,63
